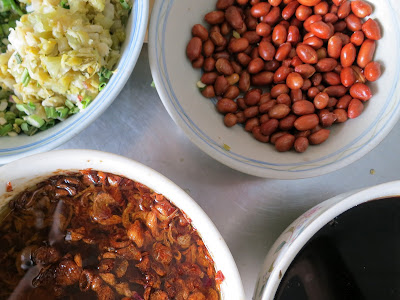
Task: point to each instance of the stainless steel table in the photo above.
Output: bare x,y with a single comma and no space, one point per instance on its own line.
249,212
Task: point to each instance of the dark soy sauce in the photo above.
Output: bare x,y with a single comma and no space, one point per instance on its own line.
354,257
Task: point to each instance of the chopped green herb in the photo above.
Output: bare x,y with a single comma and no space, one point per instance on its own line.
10,116
10,6
28,130
102,86
69,104
104,74
26,108
25,77
153,84
18,58
48,124
6,29
85,102
5,6
51,112
62,112
32,105
16,9
12,23
64,4
25,126
125,4
73,110
19,121
5,129
35,121
22,114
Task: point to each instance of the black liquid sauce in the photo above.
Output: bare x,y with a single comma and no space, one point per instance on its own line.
354,257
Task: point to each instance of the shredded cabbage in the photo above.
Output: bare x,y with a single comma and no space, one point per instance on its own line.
63,51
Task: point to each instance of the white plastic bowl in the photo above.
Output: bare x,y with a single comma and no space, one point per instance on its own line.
12,148
27,171
175,79
295,237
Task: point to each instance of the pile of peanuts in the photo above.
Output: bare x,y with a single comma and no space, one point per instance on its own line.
314,57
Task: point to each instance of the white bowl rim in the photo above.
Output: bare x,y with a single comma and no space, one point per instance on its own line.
55,161
140,13
236,161
333,208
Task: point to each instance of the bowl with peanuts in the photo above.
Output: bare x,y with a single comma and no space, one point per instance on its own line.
282,89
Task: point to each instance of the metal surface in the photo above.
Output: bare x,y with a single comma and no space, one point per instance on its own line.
249,212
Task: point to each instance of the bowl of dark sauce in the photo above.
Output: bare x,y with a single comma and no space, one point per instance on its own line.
347,247
62,233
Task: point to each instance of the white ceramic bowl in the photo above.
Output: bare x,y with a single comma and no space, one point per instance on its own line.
12,148
175,79
294,238
27,171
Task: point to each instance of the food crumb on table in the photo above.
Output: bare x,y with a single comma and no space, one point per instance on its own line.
226,147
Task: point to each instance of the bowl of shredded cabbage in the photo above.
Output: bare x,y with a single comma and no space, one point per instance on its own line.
62,63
